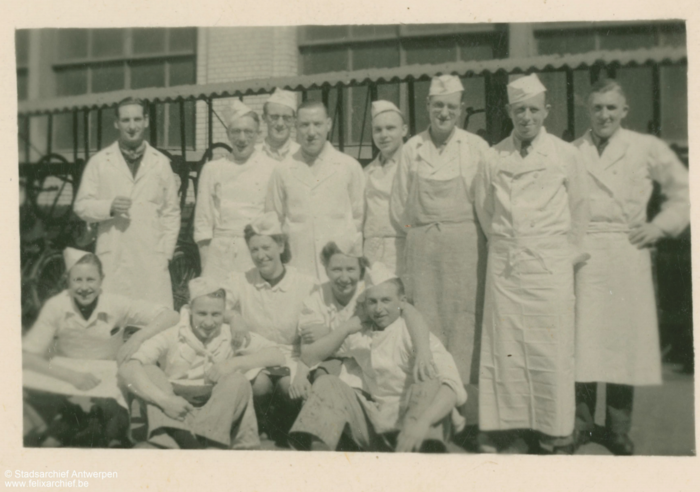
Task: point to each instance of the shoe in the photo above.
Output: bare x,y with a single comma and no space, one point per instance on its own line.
620,445
517,446
486,444
581,438
569,449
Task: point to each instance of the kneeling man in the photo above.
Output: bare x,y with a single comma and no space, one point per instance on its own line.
378,405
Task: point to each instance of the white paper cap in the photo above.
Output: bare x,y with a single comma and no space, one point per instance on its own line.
201,286
445,84
235,110
350,245
379,107
71,256
524,88
286,98
378,274
267,224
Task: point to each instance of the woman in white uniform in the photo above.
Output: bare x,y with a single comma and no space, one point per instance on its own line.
267,300
77,331
231,194
617,340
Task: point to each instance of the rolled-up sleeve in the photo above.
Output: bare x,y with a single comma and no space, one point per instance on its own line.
153,350
667,170
88,204
41,335
447,370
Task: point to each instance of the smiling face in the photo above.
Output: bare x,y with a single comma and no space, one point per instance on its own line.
313,125
266,254
388,131
243,134
279,120
444,112
84,283
132,124
606,111
382,304
343,273
528,116
207,316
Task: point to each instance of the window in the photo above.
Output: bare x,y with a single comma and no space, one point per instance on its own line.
338,48
22,56
89,61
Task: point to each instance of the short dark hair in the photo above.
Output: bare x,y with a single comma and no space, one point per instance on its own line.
281,239
331,249
308,104
606,85
131,101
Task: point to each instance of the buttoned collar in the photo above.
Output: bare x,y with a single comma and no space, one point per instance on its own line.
70,309
283,285
536,144
280,151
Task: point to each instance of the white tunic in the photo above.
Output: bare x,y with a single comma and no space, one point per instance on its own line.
134,250
230,196
319,206
617,331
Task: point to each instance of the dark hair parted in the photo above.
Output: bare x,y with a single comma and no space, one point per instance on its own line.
132,101
606,85
281,239
312,105
331,249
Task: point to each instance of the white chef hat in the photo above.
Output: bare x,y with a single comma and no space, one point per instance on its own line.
381,106
267,224
378,273
285,98
71,256
235,110
524,88
445,84
350,245
202,286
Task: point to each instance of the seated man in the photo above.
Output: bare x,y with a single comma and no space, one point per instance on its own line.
197,396
386,409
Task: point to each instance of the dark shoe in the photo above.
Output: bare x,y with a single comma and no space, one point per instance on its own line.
517,446
568,449
486,444
620,445
582,437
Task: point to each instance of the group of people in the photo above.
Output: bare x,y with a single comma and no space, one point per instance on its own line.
449,288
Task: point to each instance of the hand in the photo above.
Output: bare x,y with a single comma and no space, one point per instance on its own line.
84,381
424,367
309,334
128,349
353,325
120,206
412,436
300,387
645,235
176,407
221,369
240,339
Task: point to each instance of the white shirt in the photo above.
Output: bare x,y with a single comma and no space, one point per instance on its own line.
380,178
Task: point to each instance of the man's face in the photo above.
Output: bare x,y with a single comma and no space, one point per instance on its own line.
243,134
132,124
279,120
207,316
388,130
382,304
313,126
528,116
84,283
606,111
445,111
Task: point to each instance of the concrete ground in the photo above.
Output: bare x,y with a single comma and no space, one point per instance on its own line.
663,419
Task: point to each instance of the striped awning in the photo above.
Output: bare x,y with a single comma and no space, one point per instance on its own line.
360,77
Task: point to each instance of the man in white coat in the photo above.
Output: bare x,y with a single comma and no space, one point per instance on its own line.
317,192
384,240
279,113
129,189
616,321
533,207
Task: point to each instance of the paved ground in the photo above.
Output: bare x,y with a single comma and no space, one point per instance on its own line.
663,419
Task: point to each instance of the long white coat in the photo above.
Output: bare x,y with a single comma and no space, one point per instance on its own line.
616,322
317,208
134,250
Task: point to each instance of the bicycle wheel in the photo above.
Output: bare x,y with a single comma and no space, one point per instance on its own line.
46,277
183,267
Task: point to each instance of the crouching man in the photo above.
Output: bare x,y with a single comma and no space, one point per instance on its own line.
378,406
198,396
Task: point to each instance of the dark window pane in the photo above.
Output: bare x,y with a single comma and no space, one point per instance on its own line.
475,48
22,85
182,39
430,51
372,31
421,92
674,103
107,78
148,40
474,97
107,42
555,82
72,44
321,60
430,28
582,86
182,72
569,42
333,114
147,74
360,113
637,84
378,55
22,46
160,125
174,124
63,131
107,132
71,81
625,39
325,33
673,35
